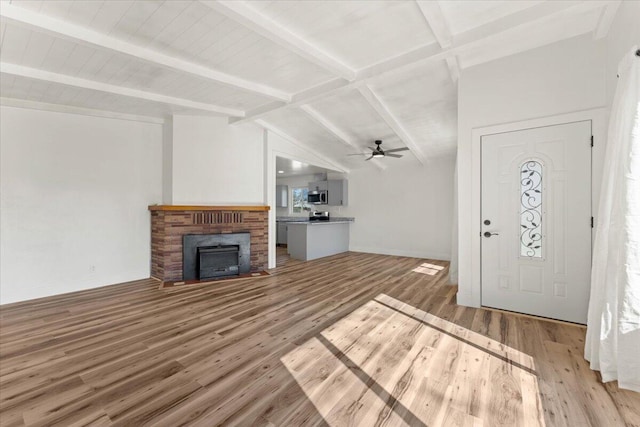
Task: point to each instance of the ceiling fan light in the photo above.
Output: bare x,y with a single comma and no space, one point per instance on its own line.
378,154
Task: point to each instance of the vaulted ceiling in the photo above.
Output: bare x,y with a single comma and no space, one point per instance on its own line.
330,75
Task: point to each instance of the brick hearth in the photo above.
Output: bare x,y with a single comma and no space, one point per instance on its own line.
169,223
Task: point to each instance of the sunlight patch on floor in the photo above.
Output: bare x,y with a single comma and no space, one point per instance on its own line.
429,269
389,363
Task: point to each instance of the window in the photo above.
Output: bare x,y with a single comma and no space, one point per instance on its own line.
300,203
531,209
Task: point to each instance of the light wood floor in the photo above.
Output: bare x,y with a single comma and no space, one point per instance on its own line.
353,339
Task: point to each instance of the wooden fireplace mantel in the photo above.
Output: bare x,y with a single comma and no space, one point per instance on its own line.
207,208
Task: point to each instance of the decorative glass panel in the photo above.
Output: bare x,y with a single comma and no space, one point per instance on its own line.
531,209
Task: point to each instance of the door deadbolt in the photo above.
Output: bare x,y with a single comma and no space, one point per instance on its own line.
487,222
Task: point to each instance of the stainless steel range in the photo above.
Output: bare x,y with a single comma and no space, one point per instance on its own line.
319,216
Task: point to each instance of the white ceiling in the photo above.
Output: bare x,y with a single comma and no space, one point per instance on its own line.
295,168
331,75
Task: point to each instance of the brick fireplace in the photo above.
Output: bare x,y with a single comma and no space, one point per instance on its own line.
169,223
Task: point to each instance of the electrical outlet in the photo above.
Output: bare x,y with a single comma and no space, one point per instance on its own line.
92,268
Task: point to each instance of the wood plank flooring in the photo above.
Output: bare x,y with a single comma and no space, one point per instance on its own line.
353,339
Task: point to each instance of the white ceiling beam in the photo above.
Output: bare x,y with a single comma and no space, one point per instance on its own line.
323,121
606,19
309,94
534,15
60,108
383,111
242,13
454,67
86,36
33,73
331,87
419,55
268,126
317,117
436,21
426,54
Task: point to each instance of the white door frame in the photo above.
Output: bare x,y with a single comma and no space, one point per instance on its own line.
598,116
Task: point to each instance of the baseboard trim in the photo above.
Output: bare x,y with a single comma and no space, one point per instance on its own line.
440,256
466,299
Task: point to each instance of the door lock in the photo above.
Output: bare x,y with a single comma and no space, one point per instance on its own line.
489,234
487,222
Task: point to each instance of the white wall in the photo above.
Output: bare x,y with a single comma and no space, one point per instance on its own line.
215,163
398,211
565,77
403,211
167,161
623,35
74,197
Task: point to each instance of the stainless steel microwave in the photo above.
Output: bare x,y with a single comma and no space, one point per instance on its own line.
317,197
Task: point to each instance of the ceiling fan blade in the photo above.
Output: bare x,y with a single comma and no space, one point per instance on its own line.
393,150
368,158
371,148
397,156
358,154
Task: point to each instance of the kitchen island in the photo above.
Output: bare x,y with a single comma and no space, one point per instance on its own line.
316,239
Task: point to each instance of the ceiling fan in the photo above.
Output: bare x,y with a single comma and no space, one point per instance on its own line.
379,152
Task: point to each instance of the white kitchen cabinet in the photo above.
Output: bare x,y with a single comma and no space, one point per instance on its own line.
282,196
281,233
337,192
311,240
319,186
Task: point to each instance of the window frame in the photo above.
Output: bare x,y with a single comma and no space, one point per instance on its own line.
305,207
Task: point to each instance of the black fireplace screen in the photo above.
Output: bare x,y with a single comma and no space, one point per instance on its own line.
207,256
217,261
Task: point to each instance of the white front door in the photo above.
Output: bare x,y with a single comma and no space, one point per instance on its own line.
536,221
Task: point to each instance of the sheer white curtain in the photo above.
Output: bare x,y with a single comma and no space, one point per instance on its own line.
613,327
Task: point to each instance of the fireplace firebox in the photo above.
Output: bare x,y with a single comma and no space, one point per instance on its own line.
210,256
217,261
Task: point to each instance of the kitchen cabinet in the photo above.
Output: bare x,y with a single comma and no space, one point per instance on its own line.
282,196
311,240
281,233
337,192
319,186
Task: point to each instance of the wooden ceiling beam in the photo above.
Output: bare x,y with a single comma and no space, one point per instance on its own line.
244,14
321,120
271,128
47,76
86,36
385,114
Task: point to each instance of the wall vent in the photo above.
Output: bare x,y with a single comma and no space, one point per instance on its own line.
217,217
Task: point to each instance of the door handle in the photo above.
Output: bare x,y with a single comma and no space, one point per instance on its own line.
489,234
